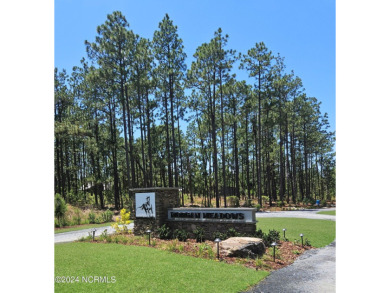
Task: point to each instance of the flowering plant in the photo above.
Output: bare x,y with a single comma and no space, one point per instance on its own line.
121,222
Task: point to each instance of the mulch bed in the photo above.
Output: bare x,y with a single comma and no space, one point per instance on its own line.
288,251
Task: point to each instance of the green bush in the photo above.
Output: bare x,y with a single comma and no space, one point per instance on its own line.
56,224
99,220
107,216
104,235
92,217
172,246
220,235
323,203
308,200
264,199
77,217
210,252
279,204
164,232
203,249
258,206
199,234
259,234
272,236
180,234
248,203
232,233
233,201
59,209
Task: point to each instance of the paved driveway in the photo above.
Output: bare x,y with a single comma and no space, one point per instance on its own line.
75,235
313,272
308,214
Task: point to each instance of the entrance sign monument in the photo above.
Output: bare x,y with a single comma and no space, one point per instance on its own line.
153,207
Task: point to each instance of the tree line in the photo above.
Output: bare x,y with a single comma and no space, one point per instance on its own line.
133,115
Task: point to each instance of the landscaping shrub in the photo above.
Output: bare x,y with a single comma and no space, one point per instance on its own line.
124,240
59,209
99,220
210,252
180,235
205,250
258,206
104,235
307,242
233,201
220,235
92,217
121,223
107,216
248,203
172,246
259,234
199,234
164,232
232,233
272,236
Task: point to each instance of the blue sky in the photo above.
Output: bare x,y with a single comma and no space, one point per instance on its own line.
302,31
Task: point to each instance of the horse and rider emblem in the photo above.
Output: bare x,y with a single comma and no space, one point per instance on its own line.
145,205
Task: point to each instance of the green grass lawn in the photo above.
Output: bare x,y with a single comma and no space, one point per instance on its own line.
333,213
82,227
319,232
144,269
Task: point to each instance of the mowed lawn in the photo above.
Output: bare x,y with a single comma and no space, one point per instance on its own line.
144,269
333,213
318,232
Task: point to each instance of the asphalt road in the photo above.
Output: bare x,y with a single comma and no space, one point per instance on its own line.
314,271
308,214
75,235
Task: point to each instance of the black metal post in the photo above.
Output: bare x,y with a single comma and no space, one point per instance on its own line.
274,253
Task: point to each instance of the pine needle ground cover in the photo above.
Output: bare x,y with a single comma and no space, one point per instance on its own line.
333,213
144,269
319,232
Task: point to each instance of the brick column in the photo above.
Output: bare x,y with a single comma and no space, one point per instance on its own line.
165,197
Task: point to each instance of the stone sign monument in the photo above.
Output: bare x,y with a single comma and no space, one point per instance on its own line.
154,207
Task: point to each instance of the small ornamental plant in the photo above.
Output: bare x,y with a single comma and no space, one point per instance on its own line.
121,222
